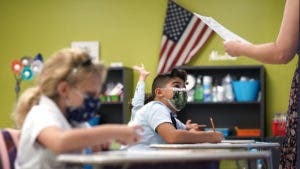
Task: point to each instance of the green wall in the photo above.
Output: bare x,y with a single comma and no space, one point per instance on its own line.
130,31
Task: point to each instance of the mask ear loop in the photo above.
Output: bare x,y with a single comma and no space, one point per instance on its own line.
179,89
79,93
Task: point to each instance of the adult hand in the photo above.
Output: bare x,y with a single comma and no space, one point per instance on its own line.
232,47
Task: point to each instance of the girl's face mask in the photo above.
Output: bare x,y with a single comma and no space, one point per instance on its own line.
86,111
179,99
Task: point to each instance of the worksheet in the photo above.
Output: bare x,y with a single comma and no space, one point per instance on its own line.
223,32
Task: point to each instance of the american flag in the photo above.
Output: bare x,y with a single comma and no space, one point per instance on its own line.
183,36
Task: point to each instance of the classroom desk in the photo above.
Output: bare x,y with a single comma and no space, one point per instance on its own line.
258,145
266,146
127,158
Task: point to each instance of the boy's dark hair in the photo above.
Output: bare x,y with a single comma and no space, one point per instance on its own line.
162,79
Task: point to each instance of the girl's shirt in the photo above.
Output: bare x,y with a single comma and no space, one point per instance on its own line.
32,154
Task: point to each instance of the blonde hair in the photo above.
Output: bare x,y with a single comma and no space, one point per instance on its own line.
70,65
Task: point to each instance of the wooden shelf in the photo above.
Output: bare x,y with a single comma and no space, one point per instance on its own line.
220,103
228,114
117,112
111,103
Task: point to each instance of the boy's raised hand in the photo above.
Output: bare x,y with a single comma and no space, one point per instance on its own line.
143,72
130,135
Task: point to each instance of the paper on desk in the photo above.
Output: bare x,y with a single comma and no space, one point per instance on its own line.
220,29
238,141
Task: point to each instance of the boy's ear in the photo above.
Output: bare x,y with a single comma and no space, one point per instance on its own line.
158,93
63,89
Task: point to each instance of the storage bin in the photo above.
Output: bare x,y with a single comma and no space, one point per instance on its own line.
246,90
225,131
248,132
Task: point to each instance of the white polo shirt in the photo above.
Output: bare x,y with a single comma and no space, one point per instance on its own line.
149,117
138,98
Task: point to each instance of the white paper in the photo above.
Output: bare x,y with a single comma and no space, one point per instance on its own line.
238,141
223,32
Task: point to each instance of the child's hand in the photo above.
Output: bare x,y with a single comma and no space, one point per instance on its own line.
130,135
216,137
143,72
193,126
103,147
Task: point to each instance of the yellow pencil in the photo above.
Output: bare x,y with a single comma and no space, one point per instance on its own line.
212,124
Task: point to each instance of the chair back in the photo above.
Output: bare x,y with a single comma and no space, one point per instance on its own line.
9,140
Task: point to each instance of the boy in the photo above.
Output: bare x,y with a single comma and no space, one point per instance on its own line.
158,117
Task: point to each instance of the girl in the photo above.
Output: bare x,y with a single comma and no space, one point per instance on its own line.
66,96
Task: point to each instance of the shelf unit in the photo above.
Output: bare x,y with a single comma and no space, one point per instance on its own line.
117,112
245,115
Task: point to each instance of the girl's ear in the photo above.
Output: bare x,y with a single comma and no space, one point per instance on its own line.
63,89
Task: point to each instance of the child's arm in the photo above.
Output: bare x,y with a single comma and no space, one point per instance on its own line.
61,141
139,97
139,94
173,136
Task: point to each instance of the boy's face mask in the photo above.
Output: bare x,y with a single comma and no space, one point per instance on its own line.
179,99
86,111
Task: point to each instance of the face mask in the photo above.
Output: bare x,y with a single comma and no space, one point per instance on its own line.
84,112
179,99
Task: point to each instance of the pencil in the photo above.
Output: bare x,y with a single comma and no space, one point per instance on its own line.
212,124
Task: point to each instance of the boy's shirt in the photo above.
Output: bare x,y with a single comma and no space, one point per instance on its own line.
149,117
138,99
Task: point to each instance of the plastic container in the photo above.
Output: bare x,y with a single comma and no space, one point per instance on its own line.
227,85
225,131
94,121
246,90
103,98
248,132
207,80
198,92
114,98
278,128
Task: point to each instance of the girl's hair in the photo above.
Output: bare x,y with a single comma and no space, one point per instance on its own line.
70,65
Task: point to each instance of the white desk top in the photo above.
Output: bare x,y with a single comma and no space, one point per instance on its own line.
263,145
130,157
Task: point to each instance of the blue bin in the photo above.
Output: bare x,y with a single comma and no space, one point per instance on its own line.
94,121
225,131
246,90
